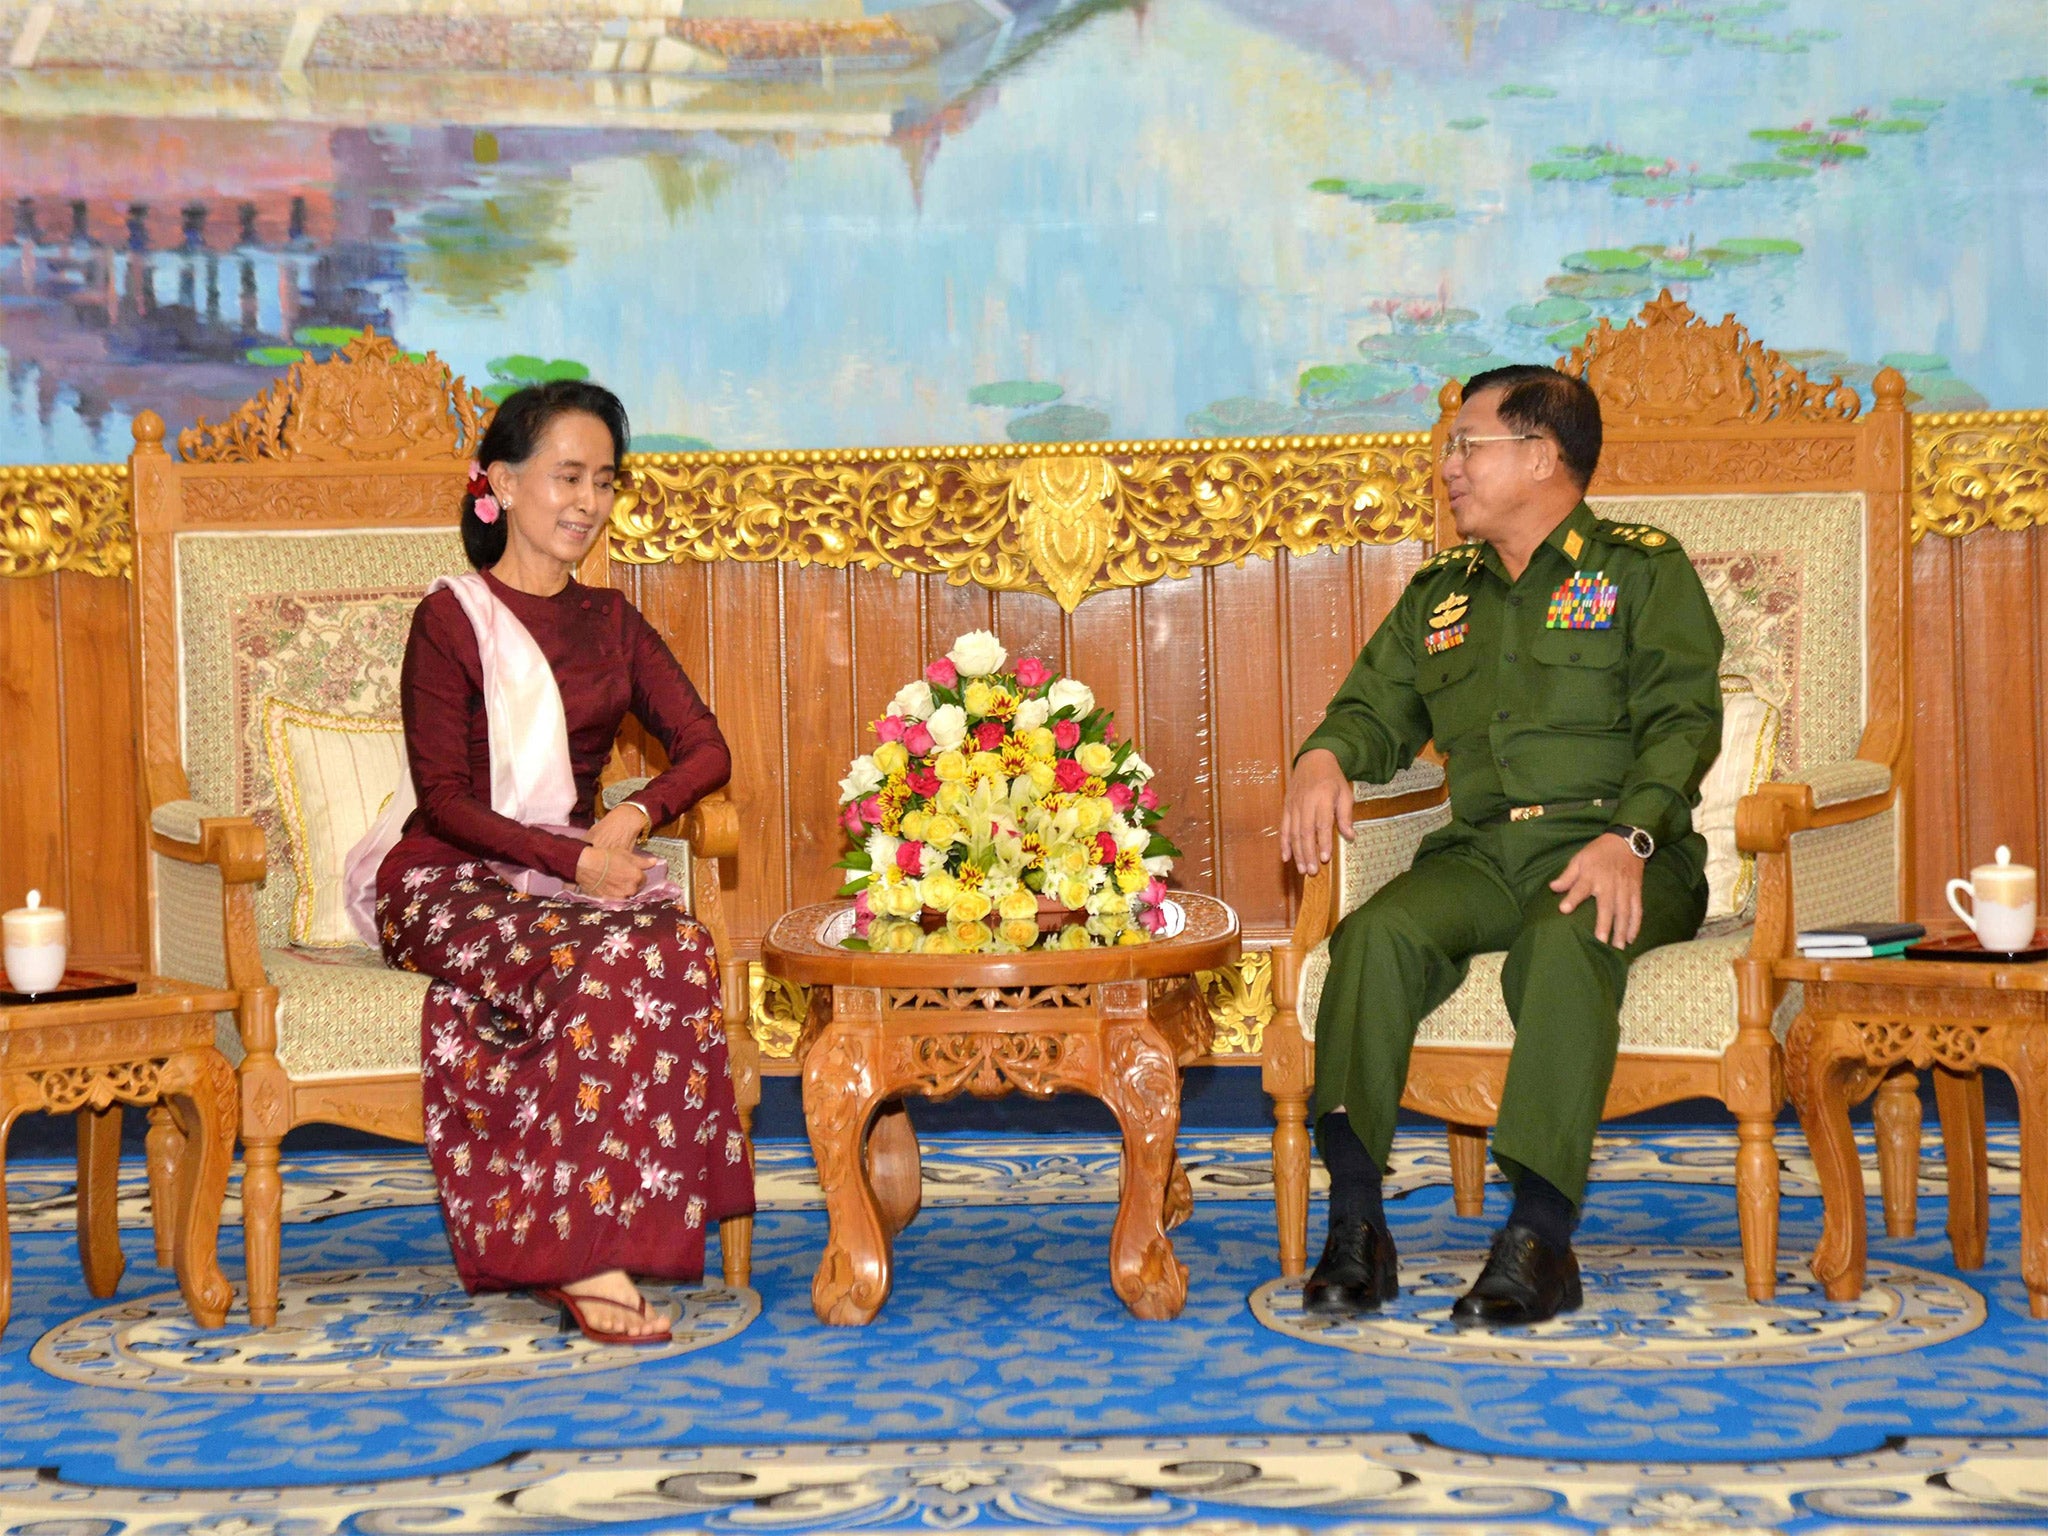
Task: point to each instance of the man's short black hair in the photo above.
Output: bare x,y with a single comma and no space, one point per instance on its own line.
1540,399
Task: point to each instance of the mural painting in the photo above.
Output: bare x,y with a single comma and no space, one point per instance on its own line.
831,223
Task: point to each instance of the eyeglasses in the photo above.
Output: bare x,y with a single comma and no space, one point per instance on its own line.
1462,445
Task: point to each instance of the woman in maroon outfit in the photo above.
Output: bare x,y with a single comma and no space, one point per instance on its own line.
579,1110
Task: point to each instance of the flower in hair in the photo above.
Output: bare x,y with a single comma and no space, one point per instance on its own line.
486,504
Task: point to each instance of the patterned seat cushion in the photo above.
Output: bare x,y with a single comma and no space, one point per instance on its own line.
344,1013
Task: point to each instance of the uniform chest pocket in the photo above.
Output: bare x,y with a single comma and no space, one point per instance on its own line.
1582,677
1448,691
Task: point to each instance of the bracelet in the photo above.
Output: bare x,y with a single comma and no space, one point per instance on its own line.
646,816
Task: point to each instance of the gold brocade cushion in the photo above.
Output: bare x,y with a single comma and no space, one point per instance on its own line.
333,775
1749,753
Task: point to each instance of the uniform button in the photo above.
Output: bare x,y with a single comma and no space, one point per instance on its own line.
1501,715
1509,657
1502,761
1575,655
1515,601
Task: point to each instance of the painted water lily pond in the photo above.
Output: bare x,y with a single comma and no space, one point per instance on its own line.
1103,218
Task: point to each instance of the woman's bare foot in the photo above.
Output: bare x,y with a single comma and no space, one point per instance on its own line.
611,1303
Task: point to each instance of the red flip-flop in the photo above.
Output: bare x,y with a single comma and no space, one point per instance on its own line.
573,1302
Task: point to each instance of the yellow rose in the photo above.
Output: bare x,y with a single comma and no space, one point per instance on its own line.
1042,778
1073,892
951,799
968,907
892,757
1019,904
893,937
951,766
979,698
1020,931
938,942
1072,860
1073,936
942,831
985,765
913,824
939,890
1093,756
1090,813
1107,925
1039,740
1132,879
971,936
1134,936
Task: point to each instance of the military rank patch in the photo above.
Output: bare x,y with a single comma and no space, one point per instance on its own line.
1440,640
1584,602
1573,545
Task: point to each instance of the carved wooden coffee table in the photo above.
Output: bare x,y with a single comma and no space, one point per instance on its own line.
1864,1026
1116,1023
154,1048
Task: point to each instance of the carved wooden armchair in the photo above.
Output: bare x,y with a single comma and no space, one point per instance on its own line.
1793,509
277,564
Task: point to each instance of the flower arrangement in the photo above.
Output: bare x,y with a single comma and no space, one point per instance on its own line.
998,812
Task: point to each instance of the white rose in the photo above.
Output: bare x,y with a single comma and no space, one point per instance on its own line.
1129,839
1068,694
1135,764
948,725
881,848
978,653
1160,867
1031,714
913,701
862,779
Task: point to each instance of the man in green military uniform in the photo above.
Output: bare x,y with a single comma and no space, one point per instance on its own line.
1569,669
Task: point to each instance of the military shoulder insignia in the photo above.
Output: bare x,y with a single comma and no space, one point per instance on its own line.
1586,601
1639,535
1449,611
1573,545
1467,552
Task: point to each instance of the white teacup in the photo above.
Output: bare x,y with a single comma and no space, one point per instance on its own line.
35,945
2002,901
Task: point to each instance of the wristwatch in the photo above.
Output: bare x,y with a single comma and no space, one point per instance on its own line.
1640,843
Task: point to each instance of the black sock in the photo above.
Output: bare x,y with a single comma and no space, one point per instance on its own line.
1542,1207
1354,1176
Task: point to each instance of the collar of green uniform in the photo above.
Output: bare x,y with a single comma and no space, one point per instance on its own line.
1579,520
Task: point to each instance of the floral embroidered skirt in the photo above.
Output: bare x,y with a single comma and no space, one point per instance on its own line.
579,1110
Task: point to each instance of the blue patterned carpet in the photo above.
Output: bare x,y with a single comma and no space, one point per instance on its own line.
1004,1385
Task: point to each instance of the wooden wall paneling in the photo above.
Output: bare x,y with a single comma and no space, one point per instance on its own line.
1105,652
1030,623
823,729
749,682
1175,721
1999,764
950,612
32,777
1246,607
1936,796
1321,637
888,644
102,837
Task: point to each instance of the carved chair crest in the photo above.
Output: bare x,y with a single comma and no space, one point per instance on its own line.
1669,368
370,401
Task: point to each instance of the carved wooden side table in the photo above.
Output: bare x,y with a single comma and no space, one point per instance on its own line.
1116,1023
1867,1023
154,1048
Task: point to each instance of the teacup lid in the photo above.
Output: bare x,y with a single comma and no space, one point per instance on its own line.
2003,856
35,908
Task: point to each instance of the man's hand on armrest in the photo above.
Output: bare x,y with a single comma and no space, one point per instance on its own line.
1318,804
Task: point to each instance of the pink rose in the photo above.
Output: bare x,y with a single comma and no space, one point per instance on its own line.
1147,799
1120,796
1109,733
917,740
924,782
890,727
910,858
989,735
1067,735
871,810
850,819
1152,920
1033,673
1069,775
942,673
860,903
1154,892
863,922
1105,848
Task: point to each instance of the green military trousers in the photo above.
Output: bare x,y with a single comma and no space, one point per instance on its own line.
1475,889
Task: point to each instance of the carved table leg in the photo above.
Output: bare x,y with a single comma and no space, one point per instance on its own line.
1468,1168
1896,1118
842,1090
1959,1098
895,1167
1141,1084
164,1146
2025,1057
199,1086
1824,1065
99,1190
1180,1196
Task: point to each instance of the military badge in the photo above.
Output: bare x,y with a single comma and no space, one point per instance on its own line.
1440,640
1584,602
1573,545
1449,611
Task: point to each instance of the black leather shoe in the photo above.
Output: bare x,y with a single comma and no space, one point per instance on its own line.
1526,1280
1358,1270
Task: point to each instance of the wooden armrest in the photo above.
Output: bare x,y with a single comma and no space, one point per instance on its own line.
712,827
1766,821
234,844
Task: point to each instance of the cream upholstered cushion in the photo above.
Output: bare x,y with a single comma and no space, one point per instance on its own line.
1749,749
344,1013
333,775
